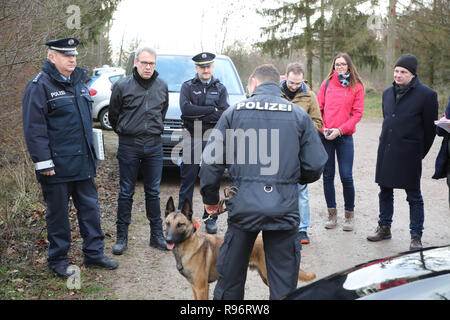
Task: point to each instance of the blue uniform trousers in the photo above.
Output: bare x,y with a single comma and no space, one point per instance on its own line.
85,199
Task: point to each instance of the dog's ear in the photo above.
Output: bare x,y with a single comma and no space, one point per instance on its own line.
187,209
170,206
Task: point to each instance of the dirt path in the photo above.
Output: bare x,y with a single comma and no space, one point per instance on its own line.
147,273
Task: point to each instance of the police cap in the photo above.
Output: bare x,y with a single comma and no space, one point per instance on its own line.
204,59
66,45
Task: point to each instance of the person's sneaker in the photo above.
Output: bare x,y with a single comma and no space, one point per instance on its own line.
157,241
211,227
416,244
304,239
62,271
104,263
119,247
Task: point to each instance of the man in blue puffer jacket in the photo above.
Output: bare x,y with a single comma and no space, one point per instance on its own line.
269,146
57,123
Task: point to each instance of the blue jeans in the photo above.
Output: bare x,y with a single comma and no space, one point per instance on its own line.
416,210
131,157
344,149
303,207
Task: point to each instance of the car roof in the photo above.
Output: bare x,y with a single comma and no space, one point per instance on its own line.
112,73
186,54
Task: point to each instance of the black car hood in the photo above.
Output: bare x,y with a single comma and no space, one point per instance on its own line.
408,268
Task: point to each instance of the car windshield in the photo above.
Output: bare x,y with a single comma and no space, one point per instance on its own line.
177,69
115,78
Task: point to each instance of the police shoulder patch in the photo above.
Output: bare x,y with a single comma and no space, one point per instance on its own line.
36,78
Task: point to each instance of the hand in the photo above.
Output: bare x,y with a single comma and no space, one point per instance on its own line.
211,208
331,134
48,173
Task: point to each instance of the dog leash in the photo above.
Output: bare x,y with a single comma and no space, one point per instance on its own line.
228,193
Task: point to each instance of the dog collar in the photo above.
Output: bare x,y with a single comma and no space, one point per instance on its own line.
196,225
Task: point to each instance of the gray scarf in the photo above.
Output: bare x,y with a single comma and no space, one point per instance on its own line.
344,79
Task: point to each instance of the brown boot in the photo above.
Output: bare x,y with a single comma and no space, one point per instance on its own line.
332,218
348,224
382,233
416,244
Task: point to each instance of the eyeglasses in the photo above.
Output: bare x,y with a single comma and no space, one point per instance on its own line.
145,64
338,65
294,84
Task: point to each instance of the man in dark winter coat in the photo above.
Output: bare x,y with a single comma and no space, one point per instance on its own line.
267,194
443,158
57,123
137,109
408,131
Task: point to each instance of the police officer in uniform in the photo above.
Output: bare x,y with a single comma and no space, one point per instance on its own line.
266,200
57,123
202,101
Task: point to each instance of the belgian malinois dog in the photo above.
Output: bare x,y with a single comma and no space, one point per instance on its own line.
196,253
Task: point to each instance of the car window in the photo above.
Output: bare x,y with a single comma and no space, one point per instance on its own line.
177,69
115,78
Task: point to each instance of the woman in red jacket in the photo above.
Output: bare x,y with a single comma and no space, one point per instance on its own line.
341,102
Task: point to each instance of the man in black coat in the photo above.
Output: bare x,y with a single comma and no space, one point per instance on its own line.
137,110
407,134
443,159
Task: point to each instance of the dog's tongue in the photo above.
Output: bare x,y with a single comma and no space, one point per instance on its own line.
170,245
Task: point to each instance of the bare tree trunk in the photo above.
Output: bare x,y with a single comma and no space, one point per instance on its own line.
309,53
322,40
391,36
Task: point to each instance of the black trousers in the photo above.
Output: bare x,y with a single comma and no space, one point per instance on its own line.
85,199
282,253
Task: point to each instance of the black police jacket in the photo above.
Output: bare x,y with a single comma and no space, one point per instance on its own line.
269,146
205,103
137,113
57,122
